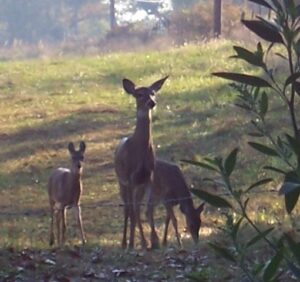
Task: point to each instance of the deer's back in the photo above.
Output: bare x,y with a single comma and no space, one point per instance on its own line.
169,182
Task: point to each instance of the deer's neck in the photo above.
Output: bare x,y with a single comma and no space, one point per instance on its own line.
142,133
186,204
76,187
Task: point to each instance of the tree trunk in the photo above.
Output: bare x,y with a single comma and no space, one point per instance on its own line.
113,22
217,17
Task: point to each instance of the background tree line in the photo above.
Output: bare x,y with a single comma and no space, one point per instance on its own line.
79,25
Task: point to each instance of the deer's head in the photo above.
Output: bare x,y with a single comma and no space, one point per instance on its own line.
145,96
77,157
193,221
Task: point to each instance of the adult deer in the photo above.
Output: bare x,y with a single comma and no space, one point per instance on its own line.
169,186
135,162
64,190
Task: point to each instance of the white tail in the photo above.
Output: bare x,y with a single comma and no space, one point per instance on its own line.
169,186
135,161
64,190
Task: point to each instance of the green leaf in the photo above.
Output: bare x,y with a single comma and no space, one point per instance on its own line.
263,149
291,79
236,228
259,183
291,199
294,144
201,164
243,78
225,253
248,56
259,236
272,266
275,169
291,190
262,3
297,87
263,104
212,199
263,30
230,162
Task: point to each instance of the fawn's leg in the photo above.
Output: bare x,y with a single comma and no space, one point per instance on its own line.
150,217
167,221
51,239
77,210
174,221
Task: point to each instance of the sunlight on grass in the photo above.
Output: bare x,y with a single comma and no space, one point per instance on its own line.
45,104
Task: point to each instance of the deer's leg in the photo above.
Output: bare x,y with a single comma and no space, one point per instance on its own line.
77,210
150,217
63,225
132,225
126,216
124,192
137,213
51,239
58,223
174,222
167,221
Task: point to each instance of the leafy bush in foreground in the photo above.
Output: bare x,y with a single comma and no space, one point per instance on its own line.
253,96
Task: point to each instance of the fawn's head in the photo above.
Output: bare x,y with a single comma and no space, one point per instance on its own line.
193,221
77,157
145,96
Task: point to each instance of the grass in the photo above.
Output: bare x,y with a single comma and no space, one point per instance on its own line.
44,104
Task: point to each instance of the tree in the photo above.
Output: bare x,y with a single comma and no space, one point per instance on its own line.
217,17
113,22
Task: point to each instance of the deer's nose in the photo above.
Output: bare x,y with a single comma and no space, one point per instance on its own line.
79,165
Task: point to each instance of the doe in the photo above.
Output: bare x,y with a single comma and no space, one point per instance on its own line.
169,186
64,191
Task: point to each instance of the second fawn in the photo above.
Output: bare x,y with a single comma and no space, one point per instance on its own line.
64,191
169,187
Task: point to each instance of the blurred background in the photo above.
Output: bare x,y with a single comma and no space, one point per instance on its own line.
35,28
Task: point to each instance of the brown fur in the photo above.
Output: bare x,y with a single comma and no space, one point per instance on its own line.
135,161
64,190
169,186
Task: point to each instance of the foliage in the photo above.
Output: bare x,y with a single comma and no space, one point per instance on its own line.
254,95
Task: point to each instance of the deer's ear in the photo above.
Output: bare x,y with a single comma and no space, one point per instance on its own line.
128,86
200,209
71,147
82,146
158,84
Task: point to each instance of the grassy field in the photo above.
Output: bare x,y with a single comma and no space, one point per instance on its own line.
44,104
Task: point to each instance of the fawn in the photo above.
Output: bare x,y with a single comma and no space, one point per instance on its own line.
169,186
135,161
64,191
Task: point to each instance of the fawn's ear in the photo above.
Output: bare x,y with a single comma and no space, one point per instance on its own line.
200,209
82,146
128,86
71,147
158,84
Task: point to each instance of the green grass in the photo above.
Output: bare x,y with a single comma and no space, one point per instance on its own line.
44,104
